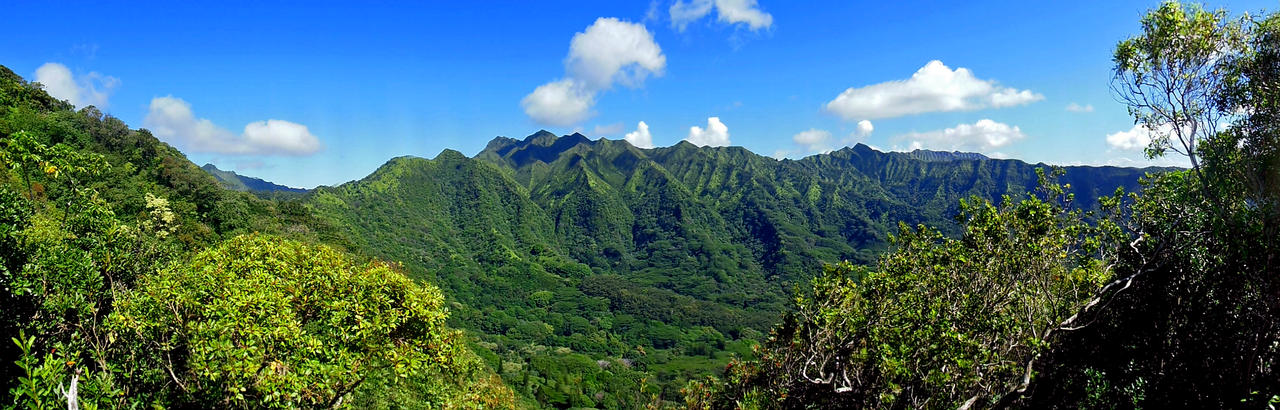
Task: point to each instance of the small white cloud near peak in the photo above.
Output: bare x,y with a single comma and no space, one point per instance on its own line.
280,136
933,88
1073,107
865,128
559,103
81,91
715,135
171,120
641,137
746,12
813,140
610,51
1136,138
983,136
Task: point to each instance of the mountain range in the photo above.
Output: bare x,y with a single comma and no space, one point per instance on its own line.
668,258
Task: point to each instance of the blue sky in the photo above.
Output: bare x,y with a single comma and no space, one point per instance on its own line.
319,93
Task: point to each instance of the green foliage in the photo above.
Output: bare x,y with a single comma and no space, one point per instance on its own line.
36,384
1195,323
939,322
1170,75
1014,313
90,211
276,323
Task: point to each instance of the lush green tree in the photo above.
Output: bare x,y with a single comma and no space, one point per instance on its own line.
1197,324
260,321
1171,74
939,322
97,228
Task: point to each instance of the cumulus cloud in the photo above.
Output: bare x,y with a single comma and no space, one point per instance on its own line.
745,12
172,120
715,135
983,136
813,140
1073,107
864,129
560,103
1136,138
818,141
641,137
608,52
933,88
82,91
612,50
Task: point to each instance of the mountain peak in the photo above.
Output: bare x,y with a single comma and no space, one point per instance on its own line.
498,143
541,138
449,155
540,146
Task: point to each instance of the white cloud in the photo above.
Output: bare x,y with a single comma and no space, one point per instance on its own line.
933,88
715,135
280,136
743,11
89,89
641,137
983,136
1136,138
727,11
683,13
172,120
813,140
609,51
559,103
864,129
613,50
1073,107
610,129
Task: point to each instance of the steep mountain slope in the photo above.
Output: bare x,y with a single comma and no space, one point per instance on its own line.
91,212
469,226
785,216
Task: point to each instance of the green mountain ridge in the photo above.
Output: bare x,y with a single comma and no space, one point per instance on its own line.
565,249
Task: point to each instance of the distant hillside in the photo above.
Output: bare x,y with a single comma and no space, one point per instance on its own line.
243,183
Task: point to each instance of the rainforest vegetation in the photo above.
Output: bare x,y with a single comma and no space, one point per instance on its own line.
564,272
